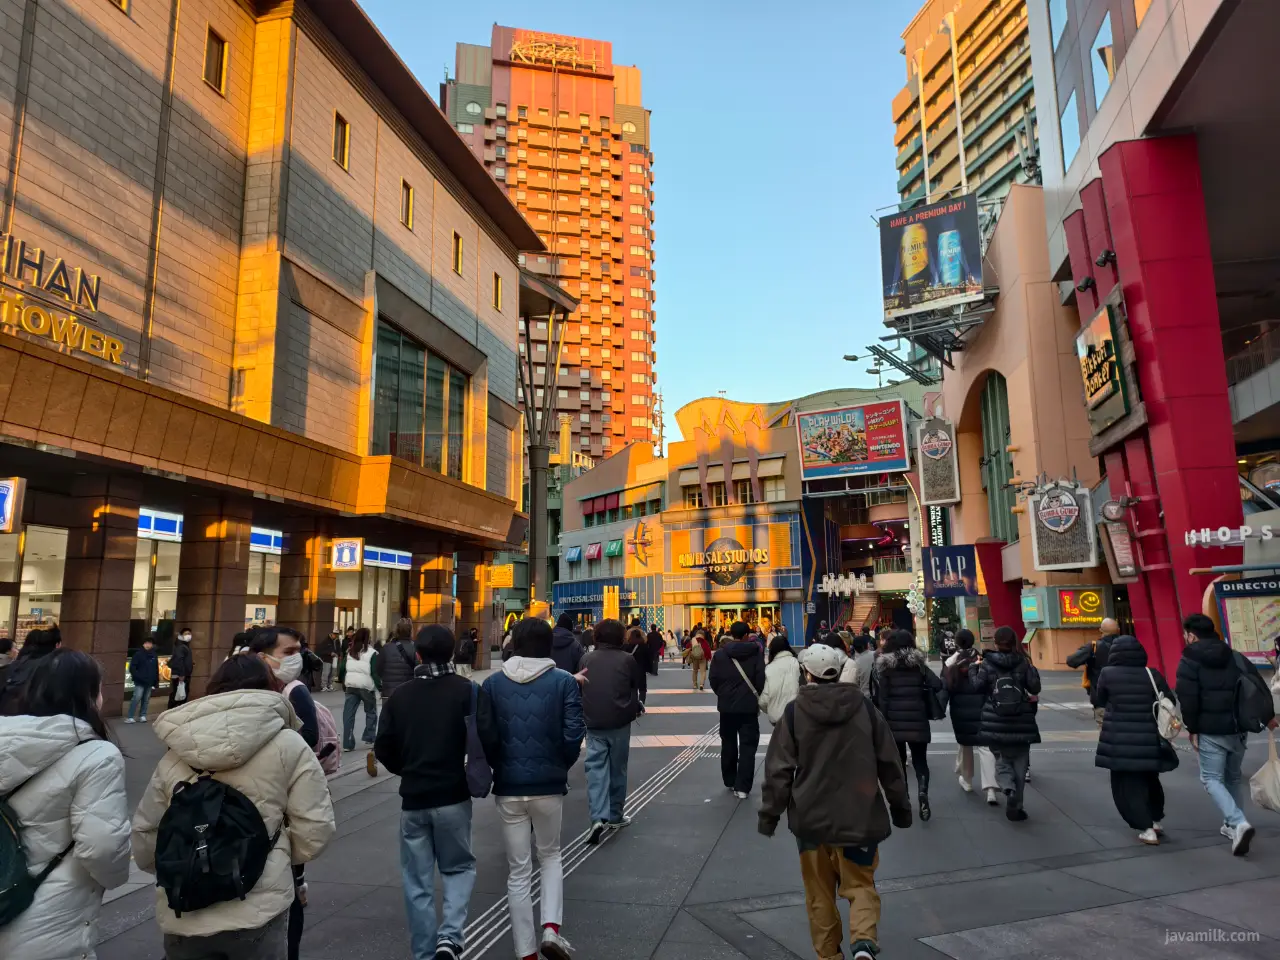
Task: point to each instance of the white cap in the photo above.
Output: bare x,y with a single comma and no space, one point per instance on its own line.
822,661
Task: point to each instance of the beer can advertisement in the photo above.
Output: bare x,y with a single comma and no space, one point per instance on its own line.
870,438
930,256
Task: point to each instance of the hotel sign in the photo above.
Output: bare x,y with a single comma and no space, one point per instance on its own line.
42,297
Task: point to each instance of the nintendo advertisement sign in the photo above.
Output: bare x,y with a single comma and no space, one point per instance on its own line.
931,257
845,441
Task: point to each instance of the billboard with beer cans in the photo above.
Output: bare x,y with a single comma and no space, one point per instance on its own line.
868,438
931,256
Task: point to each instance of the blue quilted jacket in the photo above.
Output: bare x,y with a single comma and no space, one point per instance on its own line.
539,714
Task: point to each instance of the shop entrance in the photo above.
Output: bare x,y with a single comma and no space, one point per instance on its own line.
715,619
373,597
31,568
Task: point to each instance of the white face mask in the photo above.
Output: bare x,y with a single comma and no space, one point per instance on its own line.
289,668
186,638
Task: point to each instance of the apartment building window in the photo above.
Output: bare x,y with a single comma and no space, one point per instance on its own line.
457,254
544,112
584,119
774,489
341,140
522,112
406,204
497,292
628,126
636,188
419,404
500,110
638,357
473,109
465,127
584,394
638,400
500,173
692,496
215,60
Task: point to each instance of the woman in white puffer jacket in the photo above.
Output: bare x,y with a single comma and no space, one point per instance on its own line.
66,781
781,678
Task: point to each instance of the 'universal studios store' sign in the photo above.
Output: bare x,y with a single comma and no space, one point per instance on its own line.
44,298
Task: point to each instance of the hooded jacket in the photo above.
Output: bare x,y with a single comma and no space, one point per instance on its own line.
1093,657
1130,741
396,663
539,717
828,760
615,678
900,682
245,738
732,693
1206,682
997,731
859,670
964,707
781,684
72,789
566,650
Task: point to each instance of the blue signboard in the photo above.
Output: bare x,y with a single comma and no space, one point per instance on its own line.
950,571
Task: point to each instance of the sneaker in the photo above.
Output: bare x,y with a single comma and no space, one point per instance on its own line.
992,799
740,795
1241,837
1149,836
623,821
965,785
597,832
1227,832
371,763
1158,828
554,946
142,719
131,720
864,950
447,950
348,749
1014,813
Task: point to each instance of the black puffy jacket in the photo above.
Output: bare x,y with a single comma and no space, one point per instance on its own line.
566,650
396,662
997,731
965,707
899,684
1130,741
732,694
1206,682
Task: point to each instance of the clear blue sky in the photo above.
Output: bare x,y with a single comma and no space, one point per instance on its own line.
772,145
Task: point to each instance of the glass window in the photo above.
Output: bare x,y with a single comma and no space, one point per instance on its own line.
718,495
1057,19
473,109
457,254
341,140
692,497
40,593
457,421
433,456
1069,125
629,127
500,109
774,489
406,204
407,440
164,596
743,491
1103,61
497,292
419,404
466,128
385,390
215,62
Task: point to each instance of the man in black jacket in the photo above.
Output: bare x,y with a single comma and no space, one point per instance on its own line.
144,669
566,648
422,737
397,660
1093,657
610,703
1008,680
182,665
737,677
1208,674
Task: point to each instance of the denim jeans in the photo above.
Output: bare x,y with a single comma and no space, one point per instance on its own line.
141,697
440,837
606,766
349,707
1221,756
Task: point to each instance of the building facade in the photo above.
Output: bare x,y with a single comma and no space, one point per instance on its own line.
259,339
564,130
979,52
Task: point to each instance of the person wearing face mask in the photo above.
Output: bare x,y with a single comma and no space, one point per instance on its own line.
181,665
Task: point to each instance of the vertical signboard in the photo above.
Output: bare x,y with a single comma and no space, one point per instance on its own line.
12,490
1063,535
845,441
931,257
1097,348
939,468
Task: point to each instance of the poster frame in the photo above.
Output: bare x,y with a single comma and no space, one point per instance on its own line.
836,471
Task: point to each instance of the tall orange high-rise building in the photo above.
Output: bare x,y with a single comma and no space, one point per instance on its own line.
564,128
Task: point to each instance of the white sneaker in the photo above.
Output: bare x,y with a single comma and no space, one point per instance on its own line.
992,799
597,832
554,946
131,720
740,795
143,720
622,821
1227,832
1241,837
1158,828
965,785
1149,836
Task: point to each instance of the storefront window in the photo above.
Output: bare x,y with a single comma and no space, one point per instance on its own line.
155,593
263,593
40,593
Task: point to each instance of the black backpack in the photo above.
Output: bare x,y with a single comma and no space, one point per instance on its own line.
1254,706
17,886
212,845
1008,695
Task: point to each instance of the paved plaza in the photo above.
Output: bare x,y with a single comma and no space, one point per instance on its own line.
691,879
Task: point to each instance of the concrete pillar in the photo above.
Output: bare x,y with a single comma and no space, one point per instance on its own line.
430,592
475,598
213,577
97,584
307,583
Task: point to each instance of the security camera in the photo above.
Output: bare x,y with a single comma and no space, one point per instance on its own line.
1106,257
1085,285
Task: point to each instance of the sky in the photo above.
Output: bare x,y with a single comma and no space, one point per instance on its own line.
773,147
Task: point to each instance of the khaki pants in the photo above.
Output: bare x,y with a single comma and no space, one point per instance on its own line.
986,764
699,668
827,872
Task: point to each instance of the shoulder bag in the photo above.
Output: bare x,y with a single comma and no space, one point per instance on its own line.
743,674
1167,715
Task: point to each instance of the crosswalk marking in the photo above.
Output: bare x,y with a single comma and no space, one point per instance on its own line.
684,740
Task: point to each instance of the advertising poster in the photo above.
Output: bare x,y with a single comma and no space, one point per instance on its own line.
871,438
1250,611
939,468
931,257
950,571
1063,535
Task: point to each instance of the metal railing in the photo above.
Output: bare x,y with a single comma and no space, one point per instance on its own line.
1262,351
900,564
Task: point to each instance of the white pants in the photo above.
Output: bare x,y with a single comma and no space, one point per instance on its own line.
986,765
544,815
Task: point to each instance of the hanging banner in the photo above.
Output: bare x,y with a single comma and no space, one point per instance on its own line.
939,467
1063,535
930,257
846,441
950,571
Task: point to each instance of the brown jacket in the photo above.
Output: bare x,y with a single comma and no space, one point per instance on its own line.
828,759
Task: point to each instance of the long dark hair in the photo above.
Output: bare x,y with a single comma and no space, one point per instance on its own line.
65,682
777,645
359,642
242,672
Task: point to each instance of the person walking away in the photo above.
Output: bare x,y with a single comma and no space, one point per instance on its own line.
1007,679
422,738
863,662
327,651
182,664
1093,657
1209,680
737,677
636,645
566,648
397,660
538,710
358,679
903,685
144,668
657,648
465,658
63,780
832,765
699,654
1130,745
965,709
13,678
610,703
781,679
239,735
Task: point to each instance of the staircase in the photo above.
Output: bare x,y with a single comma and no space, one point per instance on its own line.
866,607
